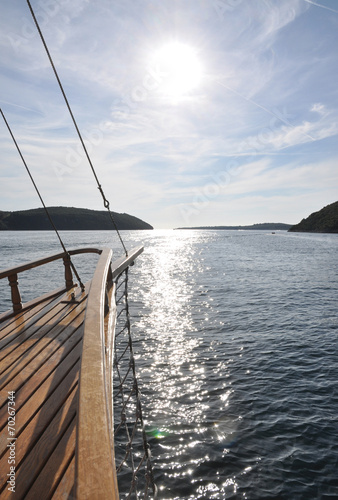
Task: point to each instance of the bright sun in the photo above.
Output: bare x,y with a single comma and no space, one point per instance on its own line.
179,67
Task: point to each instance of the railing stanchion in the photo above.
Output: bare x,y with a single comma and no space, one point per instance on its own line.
15,292
68,272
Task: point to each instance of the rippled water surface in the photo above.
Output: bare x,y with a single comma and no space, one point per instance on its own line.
235,335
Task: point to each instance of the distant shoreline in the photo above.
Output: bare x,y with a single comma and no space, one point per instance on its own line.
323,221
267,226
68,219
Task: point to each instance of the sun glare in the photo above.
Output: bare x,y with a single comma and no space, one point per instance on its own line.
179,68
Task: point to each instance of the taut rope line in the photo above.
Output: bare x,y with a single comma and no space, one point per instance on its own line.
124,362
105,201
43,203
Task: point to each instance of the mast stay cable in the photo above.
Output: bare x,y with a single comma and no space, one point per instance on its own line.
43,203
127,326
105,201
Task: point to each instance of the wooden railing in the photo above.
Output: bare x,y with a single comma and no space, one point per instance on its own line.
95,464
95,474
12,274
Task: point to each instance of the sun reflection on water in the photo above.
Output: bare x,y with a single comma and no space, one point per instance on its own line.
167,295
178,399
178,371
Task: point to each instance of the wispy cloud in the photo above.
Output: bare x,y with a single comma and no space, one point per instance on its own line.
319,108
291,136
321,6
265,110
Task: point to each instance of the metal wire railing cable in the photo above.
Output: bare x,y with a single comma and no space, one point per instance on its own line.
130,432
105,201
43,203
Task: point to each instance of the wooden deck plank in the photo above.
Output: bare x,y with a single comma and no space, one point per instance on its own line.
66,487
17,373
6,322
41,348
40,367
45,374
24,319
37,412
37,337
19,338
56,467
49,374
27,329
40,356
37,449
8,317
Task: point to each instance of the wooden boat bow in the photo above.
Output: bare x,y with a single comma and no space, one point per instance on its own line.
56,358
95,464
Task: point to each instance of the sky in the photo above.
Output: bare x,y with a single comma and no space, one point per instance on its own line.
194,112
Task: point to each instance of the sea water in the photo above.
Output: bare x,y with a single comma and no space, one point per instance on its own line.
236,350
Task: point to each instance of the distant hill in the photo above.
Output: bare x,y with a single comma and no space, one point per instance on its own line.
324,221
266,226
66,218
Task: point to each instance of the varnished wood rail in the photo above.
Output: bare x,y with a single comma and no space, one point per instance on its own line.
12,273
93,468
95,475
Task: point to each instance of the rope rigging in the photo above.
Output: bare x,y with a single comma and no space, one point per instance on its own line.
105,201
130,433
43,203
130,436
